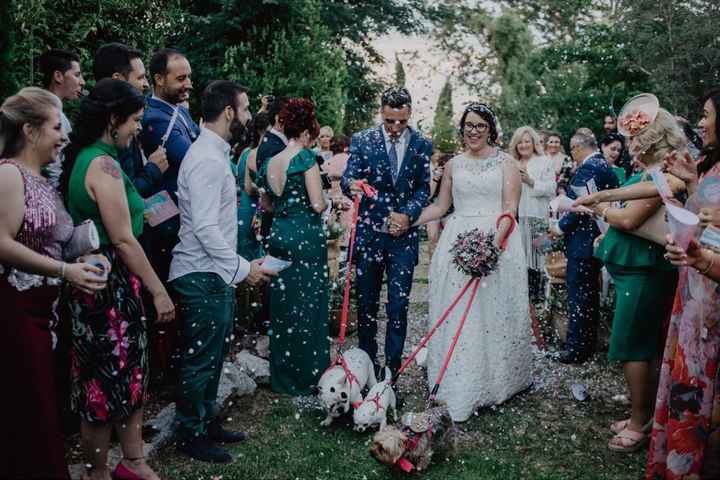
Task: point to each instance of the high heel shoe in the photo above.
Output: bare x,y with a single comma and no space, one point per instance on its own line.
123,473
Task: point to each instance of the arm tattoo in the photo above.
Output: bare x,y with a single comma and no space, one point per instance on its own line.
110,167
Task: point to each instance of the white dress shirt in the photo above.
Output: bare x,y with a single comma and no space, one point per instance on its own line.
400,146
207,199
280,135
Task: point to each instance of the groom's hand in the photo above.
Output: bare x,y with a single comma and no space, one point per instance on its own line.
399,224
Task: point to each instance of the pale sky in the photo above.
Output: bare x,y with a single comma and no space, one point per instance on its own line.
426,69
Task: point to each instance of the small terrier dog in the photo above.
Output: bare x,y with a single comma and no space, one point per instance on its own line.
413,443
337,392
376,406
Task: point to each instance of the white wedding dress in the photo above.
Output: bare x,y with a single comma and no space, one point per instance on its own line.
492,360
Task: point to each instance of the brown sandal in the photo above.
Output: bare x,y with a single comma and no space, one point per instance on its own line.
627,441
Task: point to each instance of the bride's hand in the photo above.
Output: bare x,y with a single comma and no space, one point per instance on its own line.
588,200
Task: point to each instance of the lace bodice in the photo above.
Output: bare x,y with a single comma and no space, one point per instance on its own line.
477,185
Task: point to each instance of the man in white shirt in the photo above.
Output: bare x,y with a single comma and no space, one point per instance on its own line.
62,76
205,268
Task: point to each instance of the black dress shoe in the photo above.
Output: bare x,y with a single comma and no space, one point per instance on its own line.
219,434
567,357
204,449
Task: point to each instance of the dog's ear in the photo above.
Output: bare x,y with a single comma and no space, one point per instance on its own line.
315,390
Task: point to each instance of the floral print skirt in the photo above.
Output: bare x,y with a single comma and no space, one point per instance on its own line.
109,355
686,435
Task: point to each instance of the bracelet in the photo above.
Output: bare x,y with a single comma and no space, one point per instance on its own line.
705,270
62,269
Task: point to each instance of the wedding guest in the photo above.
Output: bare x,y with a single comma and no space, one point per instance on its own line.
335,167
299,347
562,163
272,143
582,269
609,125
613,149
324,142
204,270
62,76
537,174
645,284
118,61
167,123
109,346
249,246
34,226
687,410
685,440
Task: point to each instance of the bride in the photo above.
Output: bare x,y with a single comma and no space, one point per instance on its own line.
492,360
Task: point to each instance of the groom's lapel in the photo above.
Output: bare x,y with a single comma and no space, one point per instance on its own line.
410,154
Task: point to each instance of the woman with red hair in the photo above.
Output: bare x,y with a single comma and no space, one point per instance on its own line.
299,347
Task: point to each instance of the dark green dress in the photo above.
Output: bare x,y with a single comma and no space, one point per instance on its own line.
299,338
645,287
248,245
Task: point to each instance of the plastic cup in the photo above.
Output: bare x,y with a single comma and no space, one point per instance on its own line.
682,223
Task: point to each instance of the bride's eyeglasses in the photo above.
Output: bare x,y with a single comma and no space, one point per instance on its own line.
479,127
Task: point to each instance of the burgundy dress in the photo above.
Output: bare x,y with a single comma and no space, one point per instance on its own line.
29,405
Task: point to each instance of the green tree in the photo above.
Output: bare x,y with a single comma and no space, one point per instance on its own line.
399,72
444,134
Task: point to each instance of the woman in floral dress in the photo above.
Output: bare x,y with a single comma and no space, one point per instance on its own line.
109,357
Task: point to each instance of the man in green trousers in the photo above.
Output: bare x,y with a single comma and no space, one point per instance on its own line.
205,269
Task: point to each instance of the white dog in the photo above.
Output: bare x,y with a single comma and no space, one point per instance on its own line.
338,393
376,406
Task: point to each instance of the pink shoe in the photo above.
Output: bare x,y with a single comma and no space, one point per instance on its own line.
123,473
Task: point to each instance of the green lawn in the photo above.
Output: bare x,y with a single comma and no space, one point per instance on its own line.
530,437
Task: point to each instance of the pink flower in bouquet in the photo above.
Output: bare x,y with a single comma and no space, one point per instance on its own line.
95,399
635,121
136,386
475,253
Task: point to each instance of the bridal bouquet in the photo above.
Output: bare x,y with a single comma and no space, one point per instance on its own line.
475,253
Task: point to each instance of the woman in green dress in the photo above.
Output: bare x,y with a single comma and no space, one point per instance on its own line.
299,344
645,284
109,354
249,246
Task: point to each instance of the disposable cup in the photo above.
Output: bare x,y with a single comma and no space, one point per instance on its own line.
682,224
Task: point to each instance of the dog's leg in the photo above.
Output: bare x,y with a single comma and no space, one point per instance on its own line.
383,422
328,420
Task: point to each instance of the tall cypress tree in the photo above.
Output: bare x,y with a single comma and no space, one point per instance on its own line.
444,133
399,72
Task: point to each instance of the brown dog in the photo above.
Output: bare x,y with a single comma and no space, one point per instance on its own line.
419,436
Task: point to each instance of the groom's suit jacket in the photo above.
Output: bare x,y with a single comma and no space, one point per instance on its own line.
408,194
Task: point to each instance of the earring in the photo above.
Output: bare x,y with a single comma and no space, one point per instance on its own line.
114,135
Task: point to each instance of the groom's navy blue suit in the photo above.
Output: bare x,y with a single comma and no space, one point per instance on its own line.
377,252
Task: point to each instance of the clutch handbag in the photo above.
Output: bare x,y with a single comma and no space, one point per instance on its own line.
84,239
654,228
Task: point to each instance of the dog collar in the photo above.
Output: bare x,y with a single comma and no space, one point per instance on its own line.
356,405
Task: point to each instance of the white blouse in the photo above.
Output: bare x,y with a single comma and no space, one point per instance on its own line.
535,200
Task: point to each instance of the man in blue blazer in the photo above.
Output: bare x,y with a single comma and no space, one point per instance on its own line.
395,160
582,268
167,123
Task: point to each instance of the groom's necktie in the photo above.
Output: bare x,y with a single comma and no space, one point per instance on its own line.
393,159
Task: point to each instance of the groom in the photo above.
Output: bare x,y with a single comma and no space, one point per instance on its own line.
394,159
